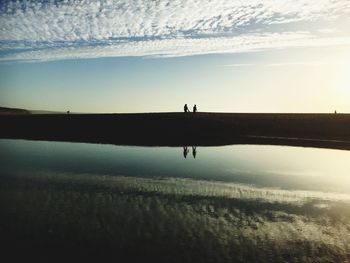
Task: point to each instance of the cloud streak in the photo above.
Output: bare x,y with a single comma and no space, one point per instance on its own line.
50,30
281,64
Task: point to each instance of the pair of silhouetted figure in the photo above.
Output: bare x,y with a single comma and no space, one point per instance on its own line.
186,150
187,110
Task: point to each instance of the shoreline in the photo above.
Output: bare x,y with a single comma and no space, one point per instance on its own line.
179,129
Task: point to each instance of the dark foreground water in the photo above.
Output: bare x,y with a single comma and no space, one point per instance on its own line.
241,203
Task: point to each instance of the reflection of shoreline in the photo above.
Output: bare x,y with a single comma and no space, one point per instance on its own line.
176,129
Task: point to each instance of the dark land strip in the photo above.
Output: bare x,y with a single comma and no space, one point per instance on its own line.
179,129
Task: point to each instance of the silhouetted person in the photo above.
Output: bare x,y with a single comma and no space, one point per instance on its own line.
186,150
194,108
194,151
68,111
335,112
186,108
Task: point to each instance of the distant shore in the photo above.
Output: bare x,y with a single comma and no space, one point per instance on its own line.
178,129
13,111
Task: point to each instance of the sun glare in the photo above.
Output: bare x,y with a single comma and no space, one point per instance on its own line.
342,81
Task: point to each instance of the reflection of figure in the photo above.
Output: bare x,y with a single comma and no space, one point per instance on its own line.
186,150
194,151
194,108
186,108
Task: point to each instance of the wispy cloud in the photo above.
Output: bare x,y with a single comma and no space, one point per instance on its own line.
241,65
281,64
49,30
298,63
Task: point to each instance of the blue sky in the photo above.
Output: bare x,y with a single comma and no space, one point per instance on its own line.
142,56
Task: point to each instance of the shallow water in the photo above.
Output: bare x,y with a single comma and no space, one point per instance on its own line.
240,203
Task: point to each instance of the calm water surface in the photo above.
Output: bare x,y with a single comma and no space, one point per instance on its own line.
240,203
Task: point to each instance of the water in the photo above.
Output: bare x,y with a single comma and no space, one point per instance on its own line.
240,203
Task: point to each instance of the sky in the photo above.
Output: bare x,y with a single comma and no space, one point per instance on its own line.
157,55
